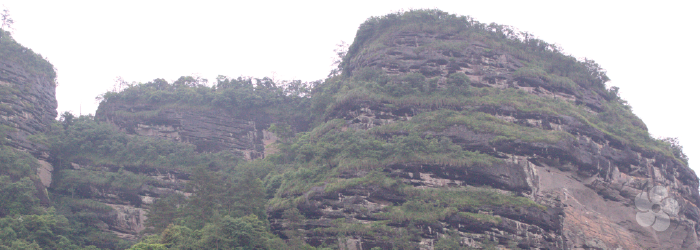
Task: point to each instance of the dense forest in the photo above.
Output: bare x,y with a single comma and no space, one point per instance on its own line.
194,197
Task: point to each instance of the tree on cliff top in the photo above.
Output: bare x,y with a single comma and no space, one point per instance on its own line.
13,52
6,22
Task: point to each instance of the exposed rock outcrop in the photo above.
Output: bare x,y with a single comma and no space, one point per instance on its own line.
28,107
579,185
28,104
210,130
127,208
486,66
588,181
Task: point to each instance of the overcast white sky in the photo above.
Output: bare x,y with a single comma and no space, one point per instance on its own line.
651,50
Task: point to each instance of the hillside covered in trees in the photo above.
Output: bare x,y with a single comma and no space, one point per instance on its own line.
434,132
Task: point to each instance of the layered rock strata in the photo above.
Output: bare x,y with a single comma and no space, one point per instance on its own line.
125,214
210,130
28,107
590,182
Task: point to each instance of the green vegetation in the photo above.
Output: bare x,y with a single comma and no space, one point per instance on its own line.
320,157
220,214
616,120
36,231
247,232
25,224
429,206
25,58
226,198
375,33
452,240
397,224
557,82
17,197
410,84
542,60
16,164
327,151
25,221
116,163
86,140
287,101
462,199
438,121
221,201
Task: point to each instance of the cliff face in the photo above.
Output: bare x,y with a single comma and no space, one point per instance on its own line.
27,104
441,133
210,130
123,210
596,186
232,116
213,128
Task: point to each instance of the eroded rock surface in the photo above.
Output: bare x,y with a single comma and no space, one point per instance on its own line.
587,181
486,66
28,106
210,130
127,211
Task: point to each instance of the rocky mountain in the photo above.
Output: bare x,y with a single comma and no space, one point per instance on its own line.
438,132
544,156
27,106
31,214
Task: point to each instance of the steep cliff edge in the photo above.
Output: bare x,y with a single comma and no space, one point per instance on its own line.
32,215
210,130
527,122
232,116
27,104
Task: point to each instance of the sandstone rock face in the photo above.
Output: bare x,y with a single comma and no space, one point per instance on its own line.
210,130
127,211
588,181
484,65
127,221
594,189
28,106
